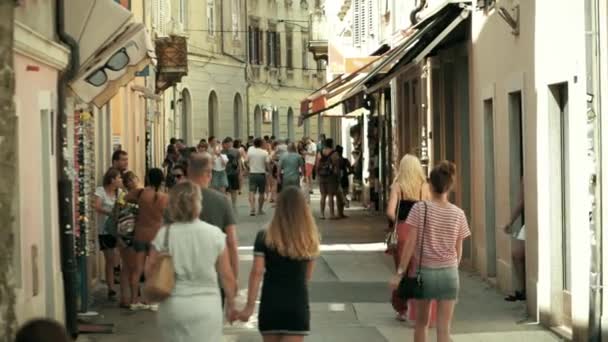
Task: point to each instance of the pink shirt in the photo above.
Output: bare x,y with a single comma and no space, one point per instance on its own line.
444,226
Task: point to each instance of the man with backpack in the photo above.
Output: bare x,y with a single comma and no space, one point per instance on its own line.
328,172
233,169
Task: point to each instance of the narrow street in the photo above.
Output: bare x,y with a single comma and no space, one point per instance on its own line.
349,294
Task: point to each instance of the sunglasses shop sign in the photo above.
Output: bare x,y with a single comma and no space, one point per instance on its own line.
114,67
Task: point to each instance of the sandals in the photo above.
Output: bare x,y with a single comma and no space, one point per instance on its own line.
515,297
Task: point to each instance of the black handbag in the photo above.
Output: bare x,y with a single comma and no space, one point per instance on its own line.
412,287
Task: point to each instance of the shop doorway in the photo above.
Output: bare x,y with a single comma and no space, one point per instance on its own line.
490,199
213,115
238,116
561,230
186,116
291,126
257,122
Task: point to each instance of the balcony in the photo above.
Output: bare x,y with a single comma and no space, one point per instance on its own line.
318,42
172,53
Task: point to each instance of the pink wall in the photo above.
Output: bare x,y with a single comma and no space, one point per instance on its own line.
36,86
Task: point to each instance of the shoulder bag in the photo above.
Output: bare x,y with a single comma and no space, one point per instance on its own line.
411,287
161,281
392,236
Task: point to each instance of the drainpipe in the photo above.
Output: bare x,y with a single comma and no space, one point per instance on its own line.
69,265
418,8
593,54
248,85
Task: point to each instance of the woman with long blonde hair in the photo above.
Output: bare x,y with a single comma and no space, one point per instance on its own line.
409,187
284,255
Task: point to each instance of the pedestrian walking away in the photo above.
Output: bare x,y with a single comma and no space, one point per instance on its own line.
193,312
216,210
258,160
233,169
328,169
290,167
437,229
408,188
284,256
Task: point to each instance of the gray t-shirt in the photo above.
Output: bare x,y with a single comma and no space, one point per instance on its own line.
107,203
290,164
217,210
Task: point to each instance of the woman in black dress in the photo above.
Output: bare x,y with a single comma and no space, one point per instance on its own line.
284,255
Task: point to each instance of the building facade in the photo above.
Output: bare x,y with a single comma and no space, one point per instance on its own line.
39,59
280,69
486,85
211,100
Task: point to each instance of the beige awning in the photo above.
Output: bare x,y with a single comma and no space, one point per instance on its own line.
114,66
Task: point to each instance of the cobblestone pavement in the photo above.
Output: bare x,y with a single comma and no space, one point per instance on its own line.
348,293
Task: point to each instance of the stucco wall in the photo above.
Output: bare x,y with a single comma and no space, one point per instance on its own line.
39,282
549,50
501,62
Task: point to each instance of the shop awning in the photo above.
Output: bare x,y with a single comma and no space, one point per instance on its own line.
417,42
428,35
331,94
111,51
114,66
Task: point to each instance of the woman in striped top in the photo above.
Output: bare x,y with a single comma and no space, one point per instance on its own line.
438,245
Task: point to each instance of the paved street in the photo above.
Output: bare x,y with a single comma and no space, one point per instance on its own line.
349,294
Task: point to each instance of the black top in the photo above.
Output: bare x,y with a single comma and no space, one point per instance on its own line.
404,209
284,307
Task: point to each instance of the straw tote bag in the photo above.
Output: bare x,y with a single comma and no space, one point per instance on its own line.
161,282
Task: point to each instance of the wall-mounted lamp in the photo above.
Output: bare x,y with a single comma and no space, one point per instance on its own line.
510,20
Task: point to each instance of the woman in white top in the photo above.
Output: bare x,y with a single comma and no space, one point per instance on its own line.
193,312
105,198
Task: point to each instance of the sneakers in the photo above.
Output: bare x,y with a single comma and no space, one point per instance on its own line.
139,307
153,307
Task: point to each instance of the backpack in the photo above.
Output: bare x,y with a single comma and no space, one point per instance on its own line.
232,166
126,217
326,167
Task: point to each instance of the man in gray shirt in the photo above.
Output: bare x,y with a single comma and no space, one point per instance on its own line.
216,210
290,167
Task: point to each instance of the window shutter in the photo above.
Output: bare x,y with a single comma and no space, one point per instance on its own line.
277,51
371,19
357,23
251,42
260,46
269,48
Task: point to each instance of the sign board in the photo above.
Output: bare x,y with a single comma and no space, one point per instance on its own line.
124,3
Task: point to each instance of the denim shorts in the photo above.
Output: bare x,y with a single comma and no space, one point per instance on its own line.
440,283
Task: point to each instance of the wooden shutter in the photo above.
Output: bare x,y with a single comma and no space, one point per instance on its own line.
277,50
260,45
289,48
251,42
269,48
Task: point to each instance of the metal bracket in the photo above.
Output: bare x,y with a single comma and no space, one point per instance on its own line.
513,22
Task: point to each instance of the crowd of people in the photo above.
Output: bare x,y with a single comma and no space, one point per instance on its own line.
188,210
194,198
269,164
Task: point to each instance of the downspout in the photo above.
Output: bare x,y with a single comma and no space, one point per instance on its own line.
413,14
69,265
247,49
